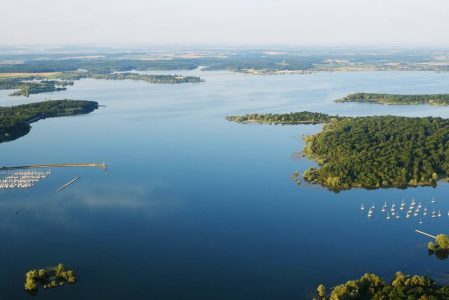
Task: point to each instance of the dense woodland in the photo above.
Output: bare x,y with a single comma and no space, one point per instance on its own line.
304,117
370,152
379,151
15,121
435,99
371,286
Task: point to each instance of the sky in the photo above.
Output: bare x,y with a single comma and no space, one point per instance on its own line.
225,22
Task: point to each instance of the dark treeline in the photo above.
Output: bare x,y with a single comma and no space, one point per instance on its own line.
98,66
15,120
435,99
131,76
380,151
234,63
304,117
371,286
25,86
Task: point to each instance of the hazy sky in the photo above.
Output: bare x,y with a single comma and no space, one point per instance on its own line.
236,22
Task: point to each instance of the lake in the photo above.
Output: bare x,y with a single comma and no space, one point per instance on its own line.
195,207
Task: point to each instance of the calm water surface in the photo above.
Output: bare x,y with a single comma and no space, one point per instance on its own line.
195,207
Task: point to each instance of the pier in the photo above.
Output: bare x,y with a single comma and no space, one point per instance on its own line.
426,234
103,166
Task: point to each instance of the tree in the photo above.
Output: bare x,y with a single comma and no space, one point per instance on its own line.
321,291
443,241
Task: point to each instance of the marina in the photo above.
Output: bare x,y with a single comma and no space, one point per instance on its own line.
414,209
22,179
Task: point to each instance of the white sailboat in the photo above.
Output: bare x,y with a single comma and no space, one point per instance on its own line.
362,207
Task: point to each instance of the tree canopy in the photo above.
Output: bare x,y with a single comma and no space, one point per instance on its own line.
371,286
15,120
379,151
434,99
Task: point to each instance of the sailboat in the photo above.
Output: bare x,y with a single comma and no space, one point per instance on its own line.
433,200
439,213
362,207
420,221
402,204
397,216
388,216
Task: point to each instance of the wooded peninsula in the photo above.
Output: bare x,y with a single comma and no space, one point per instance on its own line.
15,120
372,152
25,86
395,99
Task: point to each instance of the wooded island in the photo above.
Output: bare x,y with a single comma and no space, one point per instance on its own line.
371,152
395,99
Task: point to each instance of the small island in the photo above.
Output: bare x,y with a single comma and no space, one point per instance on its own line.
49,277
371,286
294,118
370,152
395,99
25,86
15,121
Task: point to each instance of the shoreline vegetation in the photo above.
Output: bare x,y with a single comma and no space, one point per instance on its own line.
294,118
371,286
27,85
15,120
396,99
370,152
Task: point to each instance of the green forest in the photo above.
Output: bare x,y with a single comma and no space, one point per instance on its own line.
371,286
435,99
15,120
379,151
370,152
294,118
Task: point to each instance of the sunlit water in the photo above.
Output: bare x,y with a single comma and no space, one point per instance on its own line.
195,207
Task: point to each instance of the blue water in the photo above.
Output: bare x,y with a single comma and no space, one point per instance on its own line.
195,207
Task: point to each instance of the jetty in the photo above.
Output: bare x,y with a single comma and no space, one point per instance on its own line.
426,234
103,166
68,183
